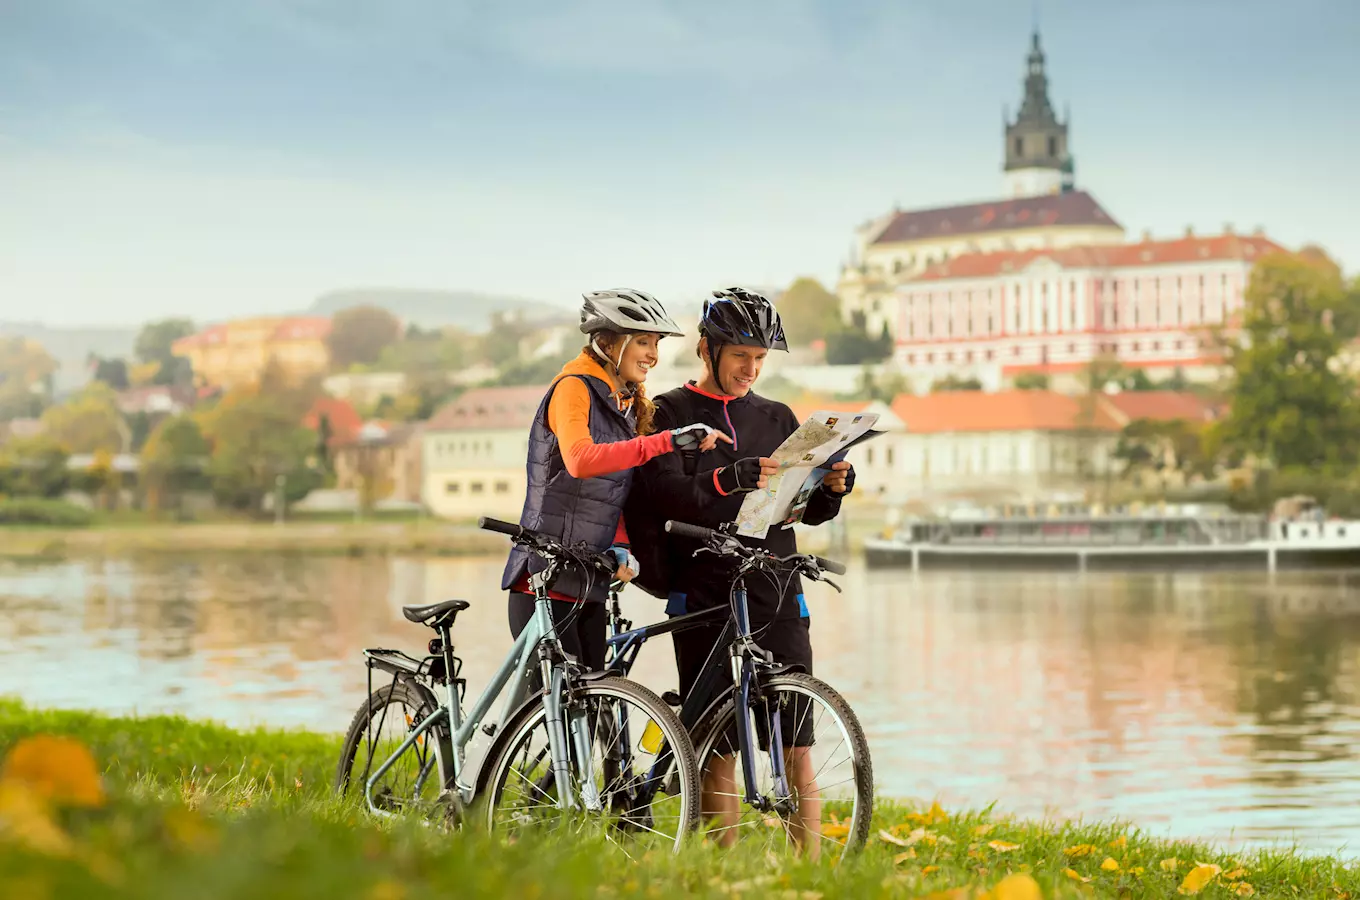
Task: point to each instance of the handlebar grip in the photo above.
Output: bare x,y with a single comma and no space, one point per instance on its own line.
499,527
830,565
696,532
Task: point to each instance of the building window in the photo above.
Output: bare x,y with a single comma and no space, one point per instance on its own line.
868,456
475,487
1015,351
1136,346
1156,345
1178,345
452,487
989,355
888,456
1019,146
911,359
502,487
1052,147
1072,348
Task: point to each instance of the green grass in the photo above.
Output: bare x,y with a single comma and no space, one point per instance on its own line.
202,811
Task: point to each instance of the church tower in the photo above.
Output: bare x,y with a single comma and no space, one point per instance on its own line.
1037,160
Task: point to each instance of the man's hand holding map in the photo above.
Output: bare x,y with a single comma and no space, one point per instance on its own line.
803,460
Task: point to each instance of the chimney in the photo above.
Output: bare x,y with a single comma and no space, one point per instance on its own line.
1228,228
1189,231
1258,231
1147,235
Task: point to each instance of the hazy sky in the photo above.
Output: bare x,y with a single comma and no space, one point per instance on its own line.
190,157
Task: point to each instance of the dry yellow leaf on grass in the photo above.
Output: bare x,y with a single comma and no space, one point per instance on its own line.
982,830
1017,887
25,819
903,857
1079,850
1198,878
1072,874
1120,842
1003,846
835,830
928,869
1242,889
57,769
1169,865
1110,864
1234,874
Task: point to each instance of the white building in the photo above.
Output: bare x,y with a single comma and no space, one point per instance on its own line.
475,449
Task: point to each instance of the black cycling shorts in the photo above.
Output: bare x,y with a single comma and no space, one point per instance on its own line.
788,640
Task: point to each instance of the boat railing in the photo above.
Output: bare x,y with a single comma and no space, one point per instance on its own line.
1093,531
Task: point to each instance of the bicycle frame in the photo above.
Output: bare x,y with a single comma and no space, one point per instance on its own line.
737,637
538,641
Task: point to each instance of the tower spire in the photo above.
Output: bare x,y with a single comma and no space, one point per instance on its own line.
1036,142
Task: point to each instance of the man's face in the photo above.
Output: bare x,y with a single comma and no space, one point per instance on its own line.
739,367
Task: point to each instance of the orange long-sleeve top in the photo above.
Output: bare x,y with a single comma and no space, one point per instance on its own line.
569,420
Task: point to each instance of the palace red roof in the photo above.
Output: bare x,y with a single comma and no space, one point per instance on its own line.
1160,406
1246,248
490,407
1074,208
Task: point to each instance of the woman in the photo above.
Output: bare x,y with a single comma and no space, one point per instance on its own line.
593,427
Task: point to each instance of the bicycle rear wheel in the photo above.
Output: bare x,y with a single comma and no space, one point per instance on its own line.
415,782
834,811
641,767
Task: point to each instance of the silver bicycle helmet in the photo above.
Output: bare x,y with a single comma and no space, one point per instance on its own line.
626,311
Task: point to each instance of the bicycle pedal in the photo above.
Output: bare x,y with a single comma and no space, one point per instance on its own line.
671,698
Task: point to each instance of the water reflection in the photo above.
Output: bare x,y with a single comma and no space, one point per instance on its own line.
1200,705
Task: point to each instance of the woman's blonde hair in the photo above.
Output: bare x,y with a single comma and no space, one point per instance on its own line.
644,408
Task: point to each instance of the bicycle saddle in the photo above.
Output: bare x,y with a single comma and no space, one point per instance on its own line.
424,614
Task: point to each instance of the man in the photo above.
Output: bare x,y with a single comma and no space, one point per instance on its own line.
737,331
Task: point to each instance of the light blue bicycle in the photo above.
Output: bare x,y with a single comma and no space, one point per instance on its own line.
626,762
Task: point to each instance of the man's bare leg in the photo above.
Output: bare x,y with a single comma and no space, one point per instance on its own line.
806,826
720,798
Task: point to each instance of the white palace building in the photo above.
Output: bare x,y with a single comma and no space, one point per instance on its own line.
1042,279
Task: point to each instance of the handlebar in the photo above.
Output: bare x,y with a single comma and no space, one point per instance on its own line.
500,527
694,532
736,548
547,545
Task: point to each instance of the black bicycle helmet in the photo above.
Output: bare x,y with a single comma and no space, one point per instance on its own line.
739,316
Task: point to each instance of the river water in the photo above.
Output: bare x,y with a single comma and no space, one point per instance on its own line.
1216,706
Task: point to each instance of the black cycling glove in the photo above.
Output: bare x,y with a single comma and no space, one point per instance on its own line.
741,477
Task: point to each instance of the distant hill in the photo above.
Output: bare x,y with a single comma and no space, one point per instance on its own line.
71,346
433,309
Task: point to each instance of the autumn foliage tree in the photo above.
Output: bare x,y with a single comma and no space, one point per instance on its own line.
256,439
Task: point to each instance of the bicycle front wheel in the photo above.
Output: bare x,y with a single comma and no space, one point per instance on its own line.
818,798
638,781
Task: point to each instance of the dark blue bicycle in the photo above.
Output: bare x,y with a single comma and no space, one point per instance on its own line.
805,776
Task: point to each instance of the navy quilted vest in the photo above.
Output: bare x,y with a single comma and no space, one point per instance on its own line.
574,509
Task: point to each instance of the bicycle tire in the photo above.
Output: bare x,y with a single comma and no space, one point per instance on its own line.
413,695
683,768
717,723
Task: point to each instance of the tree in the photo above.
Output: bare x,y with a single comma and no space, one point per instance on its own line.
955,383
33,467
500,345
1031,381
851,345
809,312
26,371
88,422
359,335
255,439
174,459
1293,404
155,344
113,372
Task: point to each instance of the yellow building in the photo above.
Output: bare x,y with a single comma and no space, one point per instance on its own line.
237,353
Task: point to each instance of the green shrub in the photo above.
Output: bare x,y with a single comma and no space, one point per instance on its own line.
39,511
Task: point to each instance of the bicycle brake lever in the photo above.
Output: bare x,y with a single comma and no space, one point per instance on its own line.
832,583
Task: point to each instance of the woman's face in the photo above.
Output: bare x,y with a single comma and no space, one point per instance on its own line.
639,357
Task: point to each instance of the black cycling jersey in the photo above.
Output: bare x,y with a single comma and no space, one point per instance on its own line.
662,490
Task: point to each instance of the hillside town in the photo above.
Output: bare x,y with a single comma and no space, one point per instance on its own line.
1021,351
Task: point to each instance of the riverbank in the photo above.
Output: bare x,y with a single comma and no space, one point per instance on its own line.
191,809
328,538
